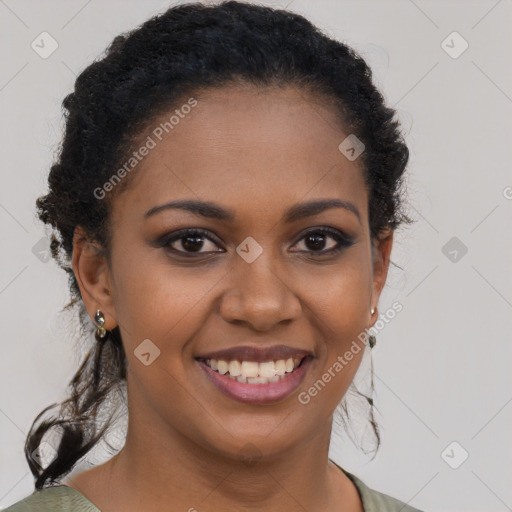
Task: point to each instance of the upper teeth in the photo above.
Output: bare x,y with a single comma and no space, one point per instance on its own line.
251,369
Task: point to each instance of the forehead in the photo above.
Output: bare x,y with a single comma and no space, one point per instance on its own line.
244,147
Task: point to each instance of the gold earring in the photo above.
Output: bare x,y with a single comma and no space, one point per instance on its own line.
101,333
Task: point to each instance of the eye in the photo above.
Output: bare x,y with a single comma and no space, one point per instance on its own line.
316,240
188,241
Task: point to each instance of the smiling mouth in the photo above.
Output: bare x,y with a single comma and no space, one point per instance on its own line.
253,372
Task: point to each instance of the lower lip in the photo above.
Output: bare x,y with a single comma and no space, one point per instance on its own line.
258,393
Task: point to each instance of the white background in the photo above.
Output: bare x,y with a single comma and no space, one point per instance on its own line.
442,365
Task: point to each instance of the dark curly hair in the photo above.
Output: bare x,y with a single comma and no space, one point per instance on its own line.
144,73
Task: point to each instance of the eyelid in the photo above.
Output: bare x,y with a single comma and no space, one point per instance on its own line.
333,232
165,240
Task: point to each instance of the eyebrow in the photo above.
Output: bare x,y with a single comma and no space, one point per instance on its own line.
213,211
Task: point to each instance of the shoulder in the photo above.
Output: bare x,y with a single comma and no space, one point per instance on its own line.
54,499
374,501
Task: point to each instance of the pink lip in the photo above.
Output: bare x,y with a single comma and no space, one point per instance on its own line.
257,393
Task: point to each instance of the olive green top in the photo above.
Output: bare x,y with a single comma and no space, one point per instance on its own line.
62,498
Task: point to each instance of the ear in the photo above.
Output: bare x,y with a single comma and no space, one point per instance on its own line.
381,251
92,273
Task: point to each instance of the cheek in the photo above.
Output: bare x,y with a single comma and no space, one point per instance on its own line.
154,297
339,305
340,296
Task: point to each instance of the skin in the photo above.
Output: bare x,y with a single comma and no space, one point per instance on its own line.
257,152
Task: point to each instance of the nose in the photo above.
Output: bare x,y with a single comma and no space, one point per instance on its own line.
259,296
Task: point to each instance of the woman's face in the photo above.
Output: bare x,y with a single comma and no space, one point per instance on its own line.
270,278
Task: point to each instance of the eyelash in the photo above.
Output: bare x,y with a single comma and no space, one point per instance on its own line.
343,241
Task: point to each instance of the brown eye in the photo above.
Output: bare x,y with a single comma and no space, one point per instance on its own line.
189,242
316,240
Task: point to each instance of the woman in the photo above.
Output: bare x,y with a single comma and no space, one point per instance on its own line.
224,202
